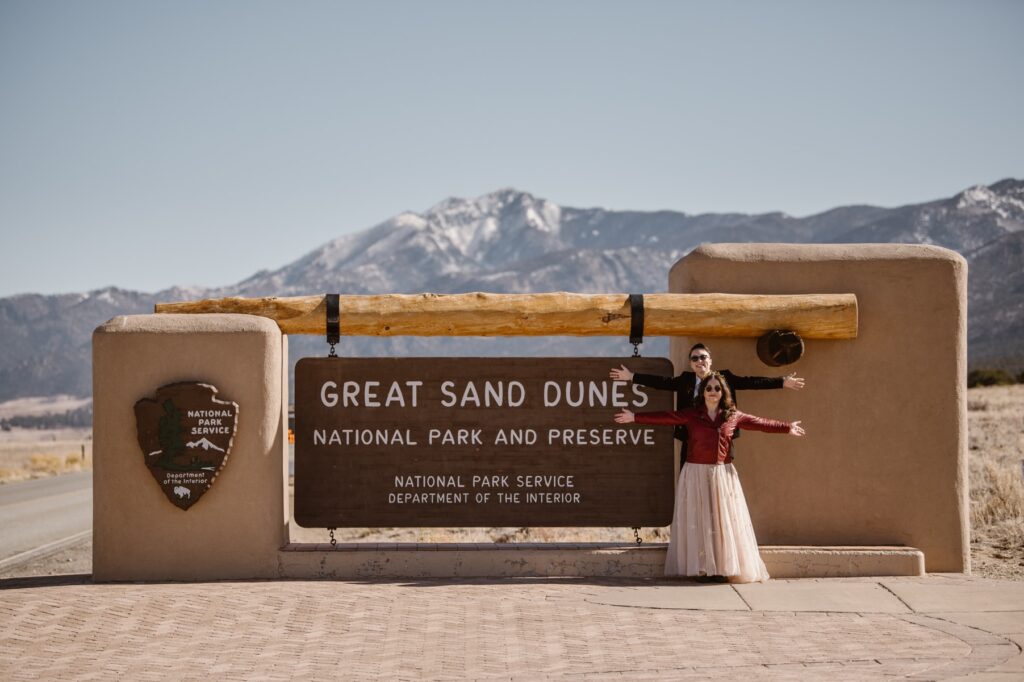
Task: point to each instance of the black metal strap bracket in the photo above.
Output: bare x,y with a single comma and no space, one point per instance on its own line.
636,325
333,322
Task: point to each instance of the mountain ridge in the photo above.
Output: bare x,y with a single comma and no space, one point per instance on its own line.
512,241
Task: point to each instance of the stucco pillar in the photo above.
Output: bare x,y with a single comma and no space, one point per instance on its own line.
236,528
884,459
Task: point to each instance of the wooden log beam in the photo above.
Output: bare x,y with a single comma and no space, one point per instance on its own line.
812,316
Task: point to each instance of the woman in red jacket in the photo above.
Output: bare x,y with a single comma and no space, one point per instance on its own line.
712,536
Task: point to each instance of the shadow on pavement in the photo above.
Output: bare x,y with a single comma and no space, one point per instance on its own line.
45,581
86,579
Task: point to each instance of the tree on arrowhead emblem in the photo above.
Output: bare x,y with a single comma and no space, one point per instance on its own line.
170,434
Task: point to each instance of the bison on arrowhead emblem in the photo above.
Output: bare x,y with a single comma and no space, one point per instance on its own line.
185,433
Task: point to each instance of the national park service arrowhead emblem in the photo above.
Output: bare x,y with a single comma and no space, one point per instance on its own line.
185,433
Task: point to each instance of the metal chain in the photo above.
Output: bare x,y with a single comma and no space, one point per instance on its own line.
332,353
334,542
636,529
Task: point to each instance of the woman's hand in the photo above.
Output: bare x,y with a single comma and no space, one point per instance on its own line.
796,430
621,374
625,417
792,381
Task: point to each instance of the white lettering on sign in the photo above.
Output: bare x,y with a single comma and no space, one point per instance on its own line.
496,394
493,481
501,488
601,436
455,436
363,437
428,498
575,437
516,437
592,394
553,498
328,399
203,430
400,394
175,477
428,481
487,394
544,481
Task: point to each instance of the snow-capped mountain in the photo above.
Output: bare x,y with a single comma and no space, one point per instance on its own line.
512,241
501,239
204,444
970,220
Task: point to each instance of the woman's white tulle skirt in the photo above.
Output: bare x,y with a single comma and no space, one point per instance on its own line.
711,529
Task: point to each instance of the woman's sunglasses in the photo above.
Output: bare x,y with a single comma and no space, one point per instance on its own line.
698,358
713,389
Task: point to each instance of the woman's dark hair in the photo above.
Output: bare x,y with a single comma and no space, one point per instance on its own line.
727,403
700,346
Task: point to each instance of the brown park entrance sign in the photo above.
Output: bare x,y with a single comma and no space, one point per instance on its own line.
478,442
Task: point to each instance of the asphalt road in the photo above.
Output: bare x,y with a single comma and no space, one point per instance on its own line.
44,511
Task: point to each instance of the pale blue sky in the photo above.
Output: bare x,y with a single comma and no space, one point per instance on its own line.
146,144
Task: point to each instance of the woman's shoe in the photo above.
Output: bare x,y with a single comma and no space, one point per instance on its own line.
712,579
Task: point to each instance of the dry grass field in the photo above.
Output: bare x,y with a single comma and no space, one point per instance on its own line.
996,460
33,453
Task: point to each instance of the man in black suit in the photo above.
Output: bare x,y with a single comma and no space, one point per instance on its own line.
687,384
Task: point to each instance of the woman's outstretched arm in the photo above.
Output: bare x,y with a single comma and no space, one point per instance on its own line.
749,421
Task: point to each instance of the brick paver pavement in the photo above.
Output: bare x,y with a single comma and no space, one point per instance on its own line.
445,629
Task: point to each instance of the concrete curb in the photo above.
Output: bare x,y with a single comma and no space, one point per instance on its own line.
46,550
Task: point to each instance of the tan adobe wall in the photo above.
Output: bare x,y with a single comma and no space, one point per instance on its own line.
236,528
884,459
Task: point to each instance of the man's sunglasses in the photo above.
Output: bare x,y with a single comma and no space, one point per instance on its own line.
698,358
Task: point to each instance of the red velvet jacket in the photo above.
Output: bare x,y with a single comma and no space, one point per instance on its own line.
709,440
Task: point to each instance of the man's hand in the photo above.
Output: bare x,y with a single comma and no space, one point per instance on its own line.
792,381
622,374
625,417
